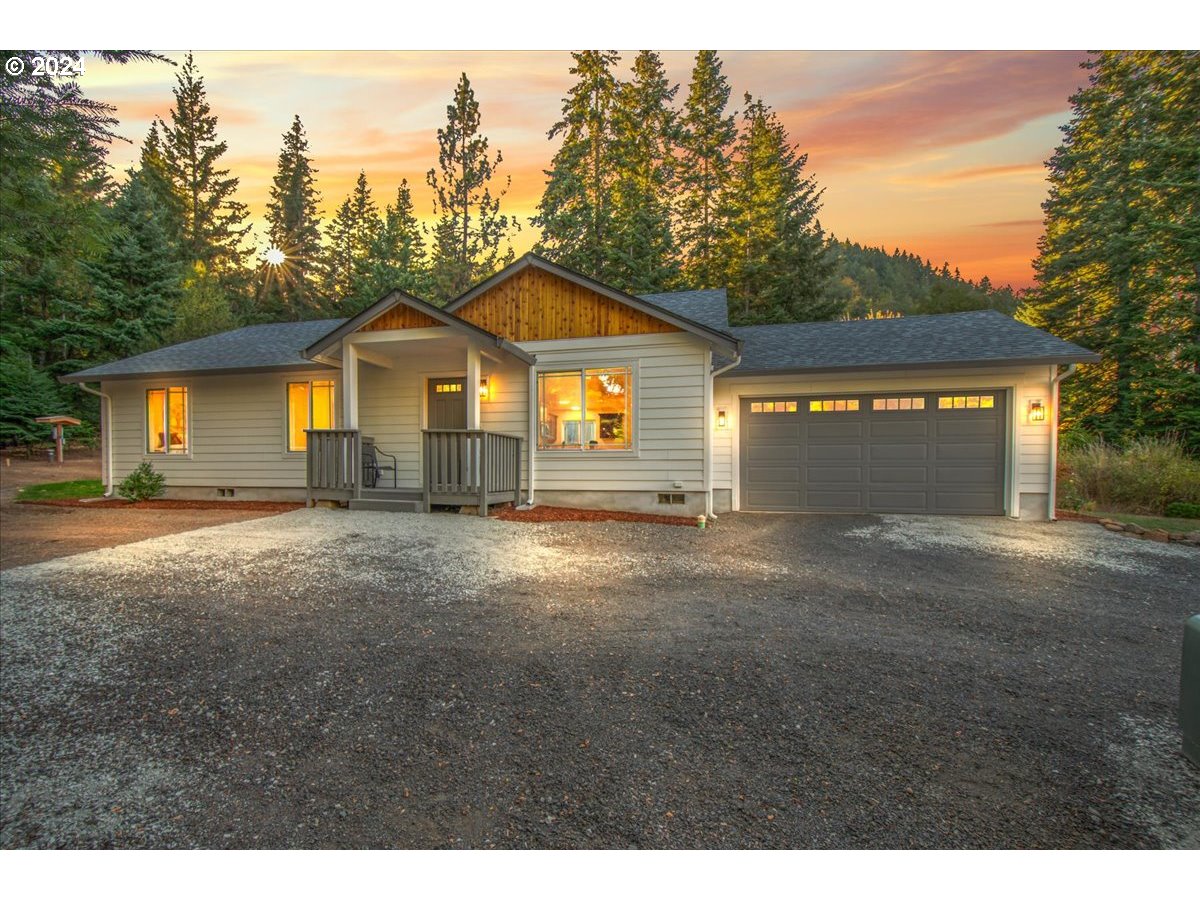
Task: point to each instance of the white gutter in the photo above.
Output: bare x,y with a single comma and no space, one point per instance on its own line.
708,429
1054,383
105,436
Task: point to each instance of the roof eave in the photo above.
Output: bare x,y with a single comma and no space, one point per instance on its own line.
86,375
1084,357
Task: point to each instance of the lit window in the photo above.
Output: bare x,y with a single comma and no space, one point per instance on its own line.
897,404
167,420
817,406
588,409
310,405
449,387
972,401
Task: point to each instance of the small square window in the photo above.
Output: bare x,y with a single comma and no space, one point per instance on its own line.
756,407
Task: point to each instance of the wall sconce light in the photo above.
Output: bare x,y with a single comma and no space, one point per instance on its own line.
1037,411
722,419
485,388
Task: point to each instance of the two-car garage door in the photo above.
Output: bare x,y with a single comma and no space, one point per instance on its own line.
914,452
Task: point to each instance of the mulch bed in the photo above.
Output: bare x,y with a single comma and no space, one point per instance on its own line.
113,503
1076,516
566,514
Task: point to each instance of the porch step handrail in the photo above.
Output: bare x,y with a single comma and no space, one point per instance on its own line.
470,466
334,464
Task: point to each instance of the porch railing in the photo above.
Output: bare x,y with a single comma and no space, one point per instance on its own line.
334,463
470,467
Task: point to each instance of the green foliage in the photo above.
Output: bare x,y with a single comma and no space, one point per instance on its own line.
62,490
575,213
398,258
143,483
470,229
1182,509
1143,477
774,250
1118,268
26,392
868,281
352,237
707,141
292,291
202,309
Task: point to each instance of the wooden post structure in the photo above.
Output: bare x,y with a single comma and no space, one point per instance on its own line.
57,423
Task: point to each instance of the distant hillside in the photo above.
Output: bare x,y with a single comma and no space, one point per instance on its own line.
871,281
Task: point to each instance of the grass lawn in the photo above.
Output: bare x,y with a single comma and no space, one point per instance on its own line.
1184,525
62,490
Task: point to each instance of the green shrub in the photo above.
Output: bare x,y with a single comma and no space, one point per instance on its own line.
1143,477
1182,509
143,483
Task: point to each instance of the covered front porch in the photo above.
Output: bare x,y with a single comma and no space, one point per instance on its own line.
432,411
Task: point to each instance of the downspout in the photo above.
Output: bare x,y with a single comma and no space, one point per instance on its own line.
1054,383
708,430
105,436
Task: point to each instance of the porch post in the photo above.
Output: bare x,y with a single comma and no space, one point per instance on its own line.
474,373
349,385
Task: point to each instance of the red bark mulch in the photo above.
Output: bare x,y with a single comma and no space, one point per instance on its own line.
565,514
1071,516
114,503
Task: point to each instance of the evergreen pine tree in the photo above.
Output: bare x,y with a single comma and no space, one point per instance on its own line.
352,236
293,222
774,249
135,281
470,228
398,258
707,139
646,133
575,213
1119,264
213,223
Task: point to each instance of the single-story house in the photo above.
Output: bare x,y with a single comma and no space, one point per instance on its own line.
542,385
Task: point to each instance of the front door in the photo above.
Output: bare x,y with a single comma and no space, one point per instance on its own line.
447,403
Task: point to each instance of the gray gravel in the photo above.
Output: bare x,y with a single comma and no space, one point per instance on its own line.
336,679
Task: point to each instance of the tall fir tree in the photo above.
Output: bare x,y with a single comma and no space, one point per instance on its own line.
352,237
135,281
398,258
575,213
707,139
645,137
773,252
212,223
291,290
1119,264
470,230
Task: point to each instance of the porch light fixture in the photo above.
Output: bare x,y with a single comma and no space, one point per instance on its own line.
1037,411
485,388
722,419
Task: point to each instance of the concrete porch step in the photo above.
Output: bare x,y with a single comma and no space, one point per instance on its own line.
382,504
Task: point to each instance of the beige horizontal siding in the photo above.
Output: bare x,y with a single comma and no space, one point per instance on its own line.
237,425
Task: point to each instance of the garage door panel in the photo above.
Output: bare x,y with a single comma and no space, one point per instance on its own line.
929,460
898,428
889,475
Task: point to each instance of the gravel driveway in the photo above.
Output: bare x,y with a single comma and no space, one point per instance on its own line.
334,679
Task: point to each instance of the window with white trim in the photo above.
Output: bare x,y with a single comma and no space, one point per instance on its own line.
309,405
167,420
586,409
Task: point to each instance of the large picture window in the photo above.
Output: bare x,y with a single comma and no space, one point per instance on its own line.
586,409
309,405
167,420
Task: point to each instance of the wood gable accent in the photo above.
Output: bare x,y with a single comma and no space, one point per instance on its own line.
401,316
536,305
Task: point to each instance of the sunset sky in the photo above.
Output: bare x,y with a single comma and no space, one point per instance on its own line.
939,153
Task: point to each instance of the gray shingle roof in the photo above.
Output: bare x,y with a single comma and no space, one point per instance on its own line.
255,347
709,308
951,339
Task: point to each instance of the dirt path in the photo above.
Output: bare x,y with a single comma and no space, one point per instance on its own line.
30,533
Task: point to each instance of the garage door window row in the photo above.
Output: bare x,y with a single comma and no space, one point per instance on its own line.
897,404
774,406
817,406
969,401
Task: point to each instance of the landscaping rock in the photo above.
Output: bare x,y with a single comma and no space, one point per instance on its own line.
1193,536
1157,534
1134,528
1113,526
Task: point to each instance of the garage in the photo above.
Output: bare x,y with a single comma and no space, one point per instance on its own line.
937,452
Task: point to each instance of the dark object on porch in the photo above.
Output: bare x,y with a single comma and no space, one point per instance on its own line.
57,422
372,469
1189,690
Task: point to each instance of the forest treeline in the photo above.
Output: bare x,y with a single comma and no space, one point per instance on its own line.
653,187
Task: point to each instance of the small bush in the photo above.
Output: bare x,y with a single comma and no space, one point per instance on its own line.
1143,477
143,483
1181,509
